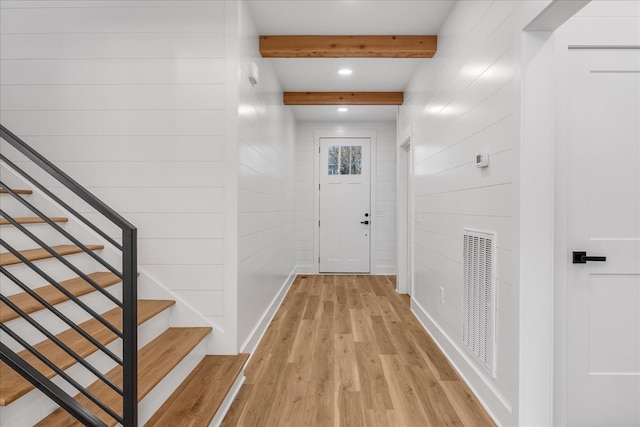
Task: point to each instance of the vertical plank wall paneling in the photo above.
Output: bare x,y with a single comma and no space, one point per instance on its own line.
462,103
383,202
266,256
128,98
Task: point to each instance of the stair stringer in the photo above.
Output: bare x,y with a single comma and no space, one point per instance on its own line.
184,315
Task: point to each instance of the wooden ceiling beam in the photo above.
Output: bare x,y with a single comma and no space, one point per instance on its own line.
348,46
343,98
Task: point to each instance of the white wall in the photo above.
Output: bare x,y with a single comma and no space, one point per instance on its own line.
128,98
383,209
266,130
463,102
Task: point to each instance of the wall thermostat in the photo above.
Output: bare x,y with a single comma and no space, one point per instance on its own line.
482,160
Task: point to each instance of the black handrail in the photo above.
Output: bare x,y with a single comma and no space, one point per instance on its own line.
59,343
60,372
128,247
59,229
59,314
45,276
54,392
59,201
62,260
130,328
65,179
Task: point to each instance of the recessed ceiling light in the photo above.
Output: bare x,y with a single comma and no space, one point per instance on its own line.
345,72
343,109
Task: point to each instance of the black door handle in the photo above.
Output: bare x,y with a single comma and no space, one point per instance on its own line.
364,222
582,258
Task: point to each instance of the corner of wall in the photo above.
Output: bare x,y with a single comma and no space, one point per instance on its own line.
232,61
264,252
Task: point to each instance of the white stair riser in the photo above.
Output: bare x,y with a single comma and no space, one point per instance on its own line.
84,234
37,199
161,392
20,241
53,324
14,207
34,406
52,267
7,175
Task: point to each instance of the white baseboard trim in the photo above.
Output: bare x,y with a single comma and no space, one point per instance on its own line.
251,343
496,406
228,401
384,271
306,269
376,271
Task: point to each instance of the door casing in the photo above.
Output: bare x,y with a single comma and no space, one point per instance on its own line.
317,135
585,33
404,209
345,200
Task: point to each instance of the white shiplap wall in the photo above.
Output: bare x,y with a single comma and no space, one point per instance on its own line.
463,102
266,136
128,97
383,201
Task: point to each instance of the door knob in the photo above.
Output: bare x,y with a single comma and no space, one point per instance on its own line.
582,258
364,222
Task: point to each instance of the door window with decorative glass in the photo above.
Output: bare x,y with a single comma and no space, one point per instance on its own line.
345,160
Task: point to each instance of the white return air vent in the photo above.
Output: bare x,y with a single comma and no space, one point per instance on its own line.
479,305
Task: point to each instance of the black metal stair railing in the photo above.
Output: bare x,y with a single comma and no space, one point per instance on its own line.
128,303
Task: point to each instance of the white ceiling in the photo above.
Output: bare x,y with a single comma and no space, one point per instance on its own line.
376,113
347,17
321,74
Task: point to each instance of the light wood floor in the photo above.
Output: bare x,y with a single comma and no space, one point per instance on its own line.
347,351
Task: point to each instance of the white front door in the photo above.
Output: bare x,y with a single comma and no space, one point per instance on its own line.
345,216
604,221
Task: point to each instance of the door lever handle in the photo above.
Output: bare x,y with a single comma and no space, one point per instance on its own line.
582,258
364,222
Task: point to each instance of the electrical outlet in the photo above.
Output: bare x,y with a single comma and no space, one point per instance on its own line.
441,295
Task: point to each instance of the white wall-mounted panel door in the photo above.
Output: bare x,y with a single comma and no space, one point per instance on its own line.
345,203
604,221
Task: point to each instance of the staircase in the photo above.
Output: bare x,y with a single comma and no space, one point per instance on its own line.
77,346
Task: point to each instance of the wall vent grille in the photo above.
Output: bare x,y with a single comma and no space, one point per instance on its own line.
479,306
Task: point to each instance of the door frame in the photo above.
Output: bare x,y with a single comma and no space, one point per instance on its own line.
343,133
579,37
404,209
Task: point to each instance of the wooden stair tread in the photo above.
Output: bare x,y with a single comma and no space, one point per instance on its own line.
17,191
32,220
7,258
13,386
155,361
195,402
77,286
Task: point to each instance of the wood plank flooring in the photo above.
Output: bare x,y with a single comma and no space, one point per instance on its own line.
347,351
195,402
